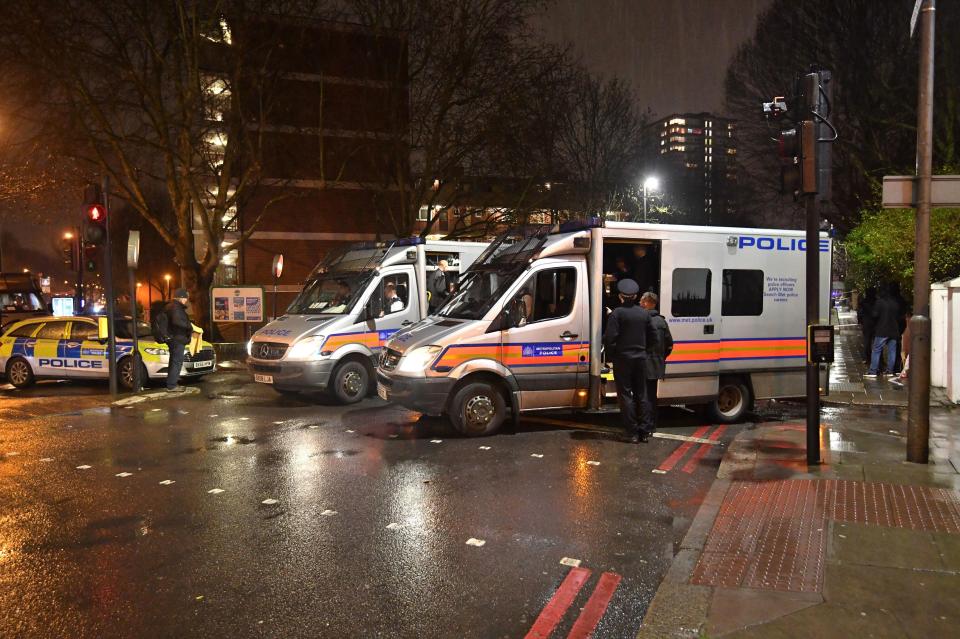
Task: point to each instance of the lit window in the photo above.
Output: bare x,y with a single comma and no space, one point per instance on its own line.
678,121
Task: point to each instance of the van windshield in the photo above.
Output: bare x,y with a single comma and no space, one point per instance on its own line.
15,302
330,294
493,272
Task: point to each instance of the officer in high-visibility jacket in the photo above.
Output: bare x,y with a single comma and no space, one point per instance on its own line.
627,333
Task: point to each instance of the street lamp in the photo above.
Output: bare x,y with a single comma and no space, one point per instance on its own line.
167,278
651,183
68,235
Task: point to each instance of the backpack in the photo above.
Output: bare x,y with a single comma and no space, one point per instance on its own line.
159,323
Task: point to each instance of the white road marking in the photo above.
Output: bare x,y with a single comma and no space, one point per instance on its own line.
483,447
537,455
351,431
436,441
658,471
570,561
46,459
328,513
214,415
314,427
394,526
154,410
12,453
687,438
473,541
123,474
84,467
215,491
167,482
243,419
593,463
280,422
394,436
269,501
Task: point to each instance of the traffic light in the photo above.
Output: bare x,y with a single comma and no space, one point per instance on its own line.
94,216
90,258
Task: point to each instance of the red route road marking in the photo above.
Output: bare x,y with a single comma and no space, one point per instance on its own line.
691,464
681,450
597,605
553,612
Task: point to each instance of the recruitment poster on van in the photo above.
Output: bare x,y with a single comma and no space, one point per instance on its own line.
237,303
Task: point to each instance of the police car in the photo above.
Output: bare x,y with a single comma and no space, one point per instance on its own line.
74,348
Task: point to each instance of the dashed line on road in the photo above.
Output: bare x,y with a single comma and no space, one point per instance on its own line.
537,455
329,513
123,474
270,501
46,459
215,491
479,543
84,467
167,482
570,561
483,447
394,526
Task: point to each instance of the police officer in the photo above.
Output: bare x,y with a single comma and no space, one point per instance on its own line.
628,330
658,350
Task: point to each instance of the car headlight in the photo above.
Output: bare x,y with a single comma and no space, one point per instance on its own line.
250,347
162,352
418,359
306,348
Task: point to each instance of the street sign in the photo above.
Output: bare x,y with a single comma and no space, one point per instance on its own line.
900,191
133,249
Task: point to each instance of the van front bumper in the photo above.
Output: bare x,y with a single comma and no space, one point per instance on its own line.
427,395
295,376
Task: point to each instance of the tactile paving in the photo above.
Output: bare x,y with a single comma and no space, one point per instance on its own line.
772,535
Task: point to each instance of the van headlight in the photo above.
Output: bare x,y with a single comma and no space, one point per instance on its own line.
250,347
417,360
306,348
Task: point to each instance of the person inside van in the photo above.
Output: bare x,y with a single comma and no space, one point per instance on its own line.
391,301
341,297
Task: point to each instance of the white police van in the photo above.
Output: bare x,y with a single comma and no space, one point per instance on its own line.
75,348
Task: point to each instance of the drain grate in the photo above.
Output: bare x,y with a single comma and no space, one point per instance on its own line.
847,387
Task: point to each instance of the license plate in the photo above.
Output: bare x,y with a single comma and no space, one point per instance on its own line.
206,364
263,379
383,392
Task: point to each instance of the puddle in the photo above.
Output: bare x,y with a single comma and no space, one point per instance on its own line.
233,439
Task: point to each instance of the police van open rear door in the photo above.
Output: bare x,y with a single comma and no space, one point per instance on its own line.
690,301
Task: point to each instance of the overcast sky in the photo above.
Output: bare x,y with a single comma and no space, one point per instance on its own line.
674,52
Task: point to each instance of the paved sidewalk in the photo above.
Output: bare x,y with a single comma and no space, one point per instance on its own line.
865,545
847,383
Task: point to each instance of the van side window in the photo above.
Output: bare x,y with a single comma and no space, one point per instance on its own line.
742,293
691,292
392,295
549,294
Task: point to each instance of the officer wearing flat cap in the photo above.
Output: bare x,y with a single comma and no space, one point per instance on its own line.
628,330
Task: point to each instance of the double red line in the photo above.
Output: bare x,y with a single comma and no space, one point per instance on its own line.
590,615
684,448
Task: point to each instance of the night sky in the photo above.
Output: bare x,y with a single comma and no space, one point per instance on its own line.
674,52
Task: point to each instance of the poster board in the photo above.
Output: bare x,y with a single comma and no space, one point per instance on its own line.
237,303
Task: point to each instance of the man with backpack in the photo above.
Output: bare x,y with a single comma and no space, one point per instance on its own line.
172,326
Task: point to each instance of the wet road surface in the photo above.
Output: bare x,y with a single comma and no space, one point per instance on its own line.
242,513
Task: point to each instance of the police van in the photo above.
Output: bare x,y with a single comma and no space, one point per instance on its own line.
525,330
76,348
351,304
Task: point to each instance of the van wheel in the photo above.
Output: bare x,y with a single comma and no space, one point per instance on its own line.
732,402
478,409
19,373
125,373
351,382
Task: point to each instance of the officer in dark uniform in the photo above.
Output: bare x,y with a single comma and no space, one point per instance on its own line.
628,329
658,350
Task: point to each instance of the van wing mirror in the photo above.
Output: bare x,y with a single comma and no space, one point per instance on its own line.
102,332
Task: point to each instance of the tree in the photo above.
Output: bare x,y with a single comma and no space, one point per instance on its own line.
880,249
163,97
867,46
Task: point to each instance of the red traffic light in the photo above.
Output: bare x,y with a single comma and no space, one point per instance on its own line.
96,213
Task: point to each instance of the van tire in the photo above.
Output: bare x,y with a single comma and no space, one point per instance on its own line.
732,403
350,382
19,373
478,409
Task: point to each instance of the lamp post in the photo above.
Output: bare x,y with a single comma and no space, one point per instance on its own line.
167,280
651,183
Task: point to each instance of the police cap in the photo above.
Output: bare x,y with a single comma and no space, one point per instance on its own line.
627,287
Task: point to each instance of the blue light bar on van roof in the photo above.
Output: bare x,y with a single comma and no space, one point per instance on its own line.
580,225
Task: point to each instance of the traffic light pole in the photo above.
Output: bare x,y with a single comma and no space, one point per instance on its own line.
108,287
918,375
813,318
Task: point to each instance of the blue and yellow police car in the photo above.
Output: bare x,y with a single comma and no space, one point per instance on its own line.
75,348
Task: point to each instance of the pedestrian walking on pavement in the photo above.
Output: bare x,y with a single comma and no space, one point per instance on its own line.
865,317
658,350
628,331
179,332
886,316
